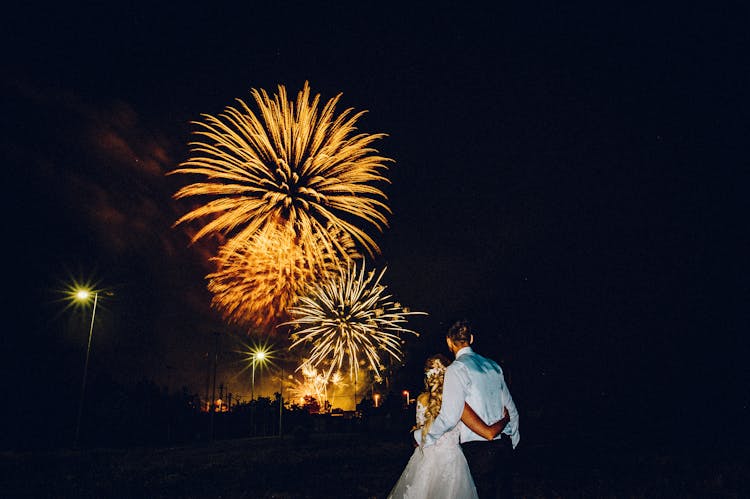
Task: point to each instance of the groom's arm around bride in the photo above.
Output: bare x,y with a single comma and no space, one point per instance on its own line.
478,426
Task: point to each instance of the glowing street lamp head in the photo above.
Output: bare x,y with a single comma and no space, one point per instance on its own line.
81,294
259,355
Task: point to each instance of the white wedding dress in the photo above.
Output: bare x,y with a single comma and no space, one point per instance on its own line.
436,472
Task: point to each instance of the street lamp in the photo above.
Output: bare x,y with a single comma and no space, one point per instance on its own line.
258,355
83,295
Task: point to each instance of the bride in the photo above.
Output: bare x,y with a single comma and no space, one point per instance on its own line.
440,470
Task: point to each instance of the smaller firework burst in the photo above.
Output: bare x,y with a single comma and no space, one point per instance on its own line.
315,383
319,385
349,316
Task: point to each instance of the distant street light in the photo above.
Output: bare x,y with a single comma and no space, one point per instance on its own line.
83,296
212,405
281,397
259,355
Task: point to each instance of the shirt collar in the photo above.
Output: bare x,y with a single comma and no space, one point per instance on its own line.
463,351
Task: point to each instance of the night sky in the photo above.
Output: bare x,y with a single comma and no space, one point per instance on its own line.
572,179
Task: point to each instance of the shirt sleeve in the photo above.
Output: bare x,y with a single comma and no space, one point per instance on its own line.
454,394
511,429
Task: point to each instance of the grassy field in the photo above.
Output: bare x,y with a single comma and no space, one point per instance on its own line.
348,466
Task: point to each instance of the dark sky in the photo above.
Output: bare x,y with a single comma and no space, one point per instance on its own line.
573,179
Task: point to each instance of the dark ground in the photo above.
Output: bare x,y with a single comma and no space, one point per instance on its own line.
361,465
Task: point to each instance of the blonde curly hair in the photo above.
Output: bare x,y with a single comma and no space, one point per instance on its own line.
432,398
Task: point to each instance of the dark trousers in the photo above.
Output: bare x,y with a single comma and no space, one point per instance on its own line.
490,464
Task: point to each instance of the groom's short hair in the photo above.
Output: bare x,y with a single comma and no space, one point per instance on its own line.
460,332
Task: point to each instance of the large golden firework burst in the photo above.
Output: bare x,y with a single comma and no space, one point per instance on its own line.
349,316
292,162
257,281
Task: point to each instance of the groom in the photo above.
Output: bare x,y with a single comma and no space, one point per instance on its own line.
479,382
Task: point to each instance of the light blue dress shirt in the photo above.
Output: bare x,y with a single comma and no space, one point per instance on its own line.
479,382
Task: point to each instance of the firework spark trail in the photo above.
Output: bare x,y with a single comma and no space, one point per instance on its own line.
317,384
291,163
257,282
349,316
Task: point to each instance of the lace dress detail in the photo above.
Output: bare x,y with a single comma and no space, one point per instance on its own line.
437,471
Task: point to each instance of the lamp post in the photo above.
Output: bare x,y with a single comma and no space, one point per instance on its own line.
83,295
281,397
212,407
258,356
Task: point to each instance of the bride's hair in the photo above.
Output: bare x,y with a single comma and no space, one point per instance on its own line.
432,398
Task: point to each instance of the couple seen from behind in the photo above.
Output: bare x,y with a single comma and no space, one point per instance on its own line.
458,455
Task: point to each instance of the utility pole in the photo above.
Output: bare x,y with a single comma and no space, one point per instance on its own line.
85,371
208,379
281,397
169,404
213,391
